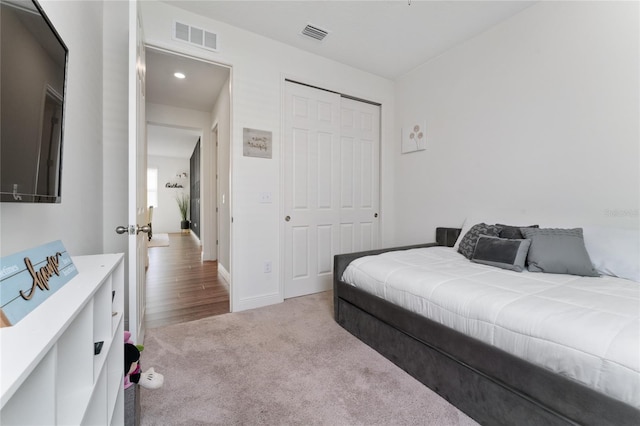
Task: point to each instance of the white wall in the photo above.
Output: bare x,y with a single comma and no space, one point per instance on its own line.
78,220
166,216
115,128
538,114
259,68
221,117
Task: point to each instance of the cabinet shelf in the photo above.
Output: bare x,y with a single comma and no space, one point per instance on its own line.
115,321
99,360
49,357
72,406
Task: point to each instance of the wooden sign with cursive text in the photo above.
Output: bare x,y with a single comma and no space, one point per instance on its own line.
28,278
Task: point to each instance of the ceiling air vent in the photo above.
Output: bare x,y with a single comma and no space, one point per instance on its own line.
195,36
314,32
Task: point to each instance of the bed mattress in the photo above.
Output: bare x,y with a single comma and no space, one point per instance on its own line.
584,328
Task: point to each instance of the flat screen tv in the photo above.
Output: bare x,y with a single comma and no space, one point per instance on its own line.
33,69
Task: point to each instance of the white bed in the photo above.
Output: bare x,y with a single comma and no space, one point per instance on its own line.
583,328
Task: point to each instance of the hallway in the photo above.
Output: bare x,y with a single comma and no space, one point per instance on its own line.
180,287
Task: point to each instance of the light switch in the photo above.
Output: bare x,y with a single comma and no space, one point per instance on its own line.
265,197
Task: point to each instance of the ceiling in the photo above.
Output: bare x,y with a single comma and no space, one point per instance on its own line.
387,38
197,91
166,141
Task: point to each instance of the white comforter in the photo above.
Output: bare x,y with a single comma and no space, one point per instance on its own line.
584,328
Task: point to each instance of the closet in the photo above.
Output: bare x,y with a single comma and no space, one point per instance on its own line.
331,183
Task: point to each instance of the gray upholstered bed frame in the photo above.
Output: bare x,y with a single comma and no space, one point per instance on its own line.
488,384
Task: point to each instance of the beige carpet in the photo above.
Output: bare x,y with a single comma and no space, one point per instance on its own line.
286,364
159,240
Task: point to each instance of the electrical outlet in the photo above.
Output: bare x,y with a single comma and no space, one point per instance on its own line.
267,267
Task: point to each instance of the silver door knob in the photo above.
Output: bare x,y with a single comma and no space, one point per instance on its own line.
145,228
122,230
287,218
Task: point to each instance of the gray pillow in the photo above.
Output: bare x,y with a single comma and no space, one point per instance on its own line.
468,242
512,232
558,251
501,252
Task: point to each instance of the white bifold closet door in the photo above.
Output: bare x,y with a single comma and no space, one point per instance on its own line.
331,184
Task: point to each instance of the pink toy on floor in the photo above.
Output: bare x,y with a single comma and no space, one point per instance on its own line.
132,371
131,361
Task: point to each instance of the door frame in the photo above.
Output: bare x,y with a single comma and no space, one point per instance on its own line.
210,202
134,284
284,79
216,203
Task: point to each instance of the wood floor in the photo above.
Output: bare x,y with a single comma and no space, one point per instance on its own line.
180,287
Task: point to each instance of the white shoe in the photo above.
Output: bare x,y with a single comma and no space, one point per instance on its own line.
150,379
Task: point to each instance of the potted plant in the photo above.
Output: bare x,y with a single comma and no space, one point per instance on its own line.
183,206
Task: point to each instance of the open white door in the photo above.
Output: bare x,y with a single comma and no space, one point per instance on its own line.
137,209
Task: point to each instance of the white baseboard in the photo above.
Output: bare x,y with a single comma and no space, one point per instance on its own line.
224,273
258,302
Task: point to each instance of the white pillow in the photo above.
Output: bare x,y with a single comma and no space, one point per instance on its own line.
465,228
614,251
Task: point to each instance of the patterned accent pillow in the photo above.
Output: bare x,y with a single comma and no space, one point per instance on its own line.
512,232
468,242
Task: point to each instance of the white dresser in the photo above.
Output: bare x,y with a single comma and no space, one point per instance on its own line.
49,374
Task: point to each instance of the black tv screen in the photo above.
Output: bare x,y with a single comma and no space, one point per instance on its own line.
33,68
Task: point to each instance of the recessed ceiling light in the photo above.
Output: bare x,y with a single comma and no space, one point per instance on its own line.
179,75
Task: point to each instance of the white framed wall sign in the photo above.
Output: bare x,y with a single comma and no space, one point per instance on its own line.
256,143
414,138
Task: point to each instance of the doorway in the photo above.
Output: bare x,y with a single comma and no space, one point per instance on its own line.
189,104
